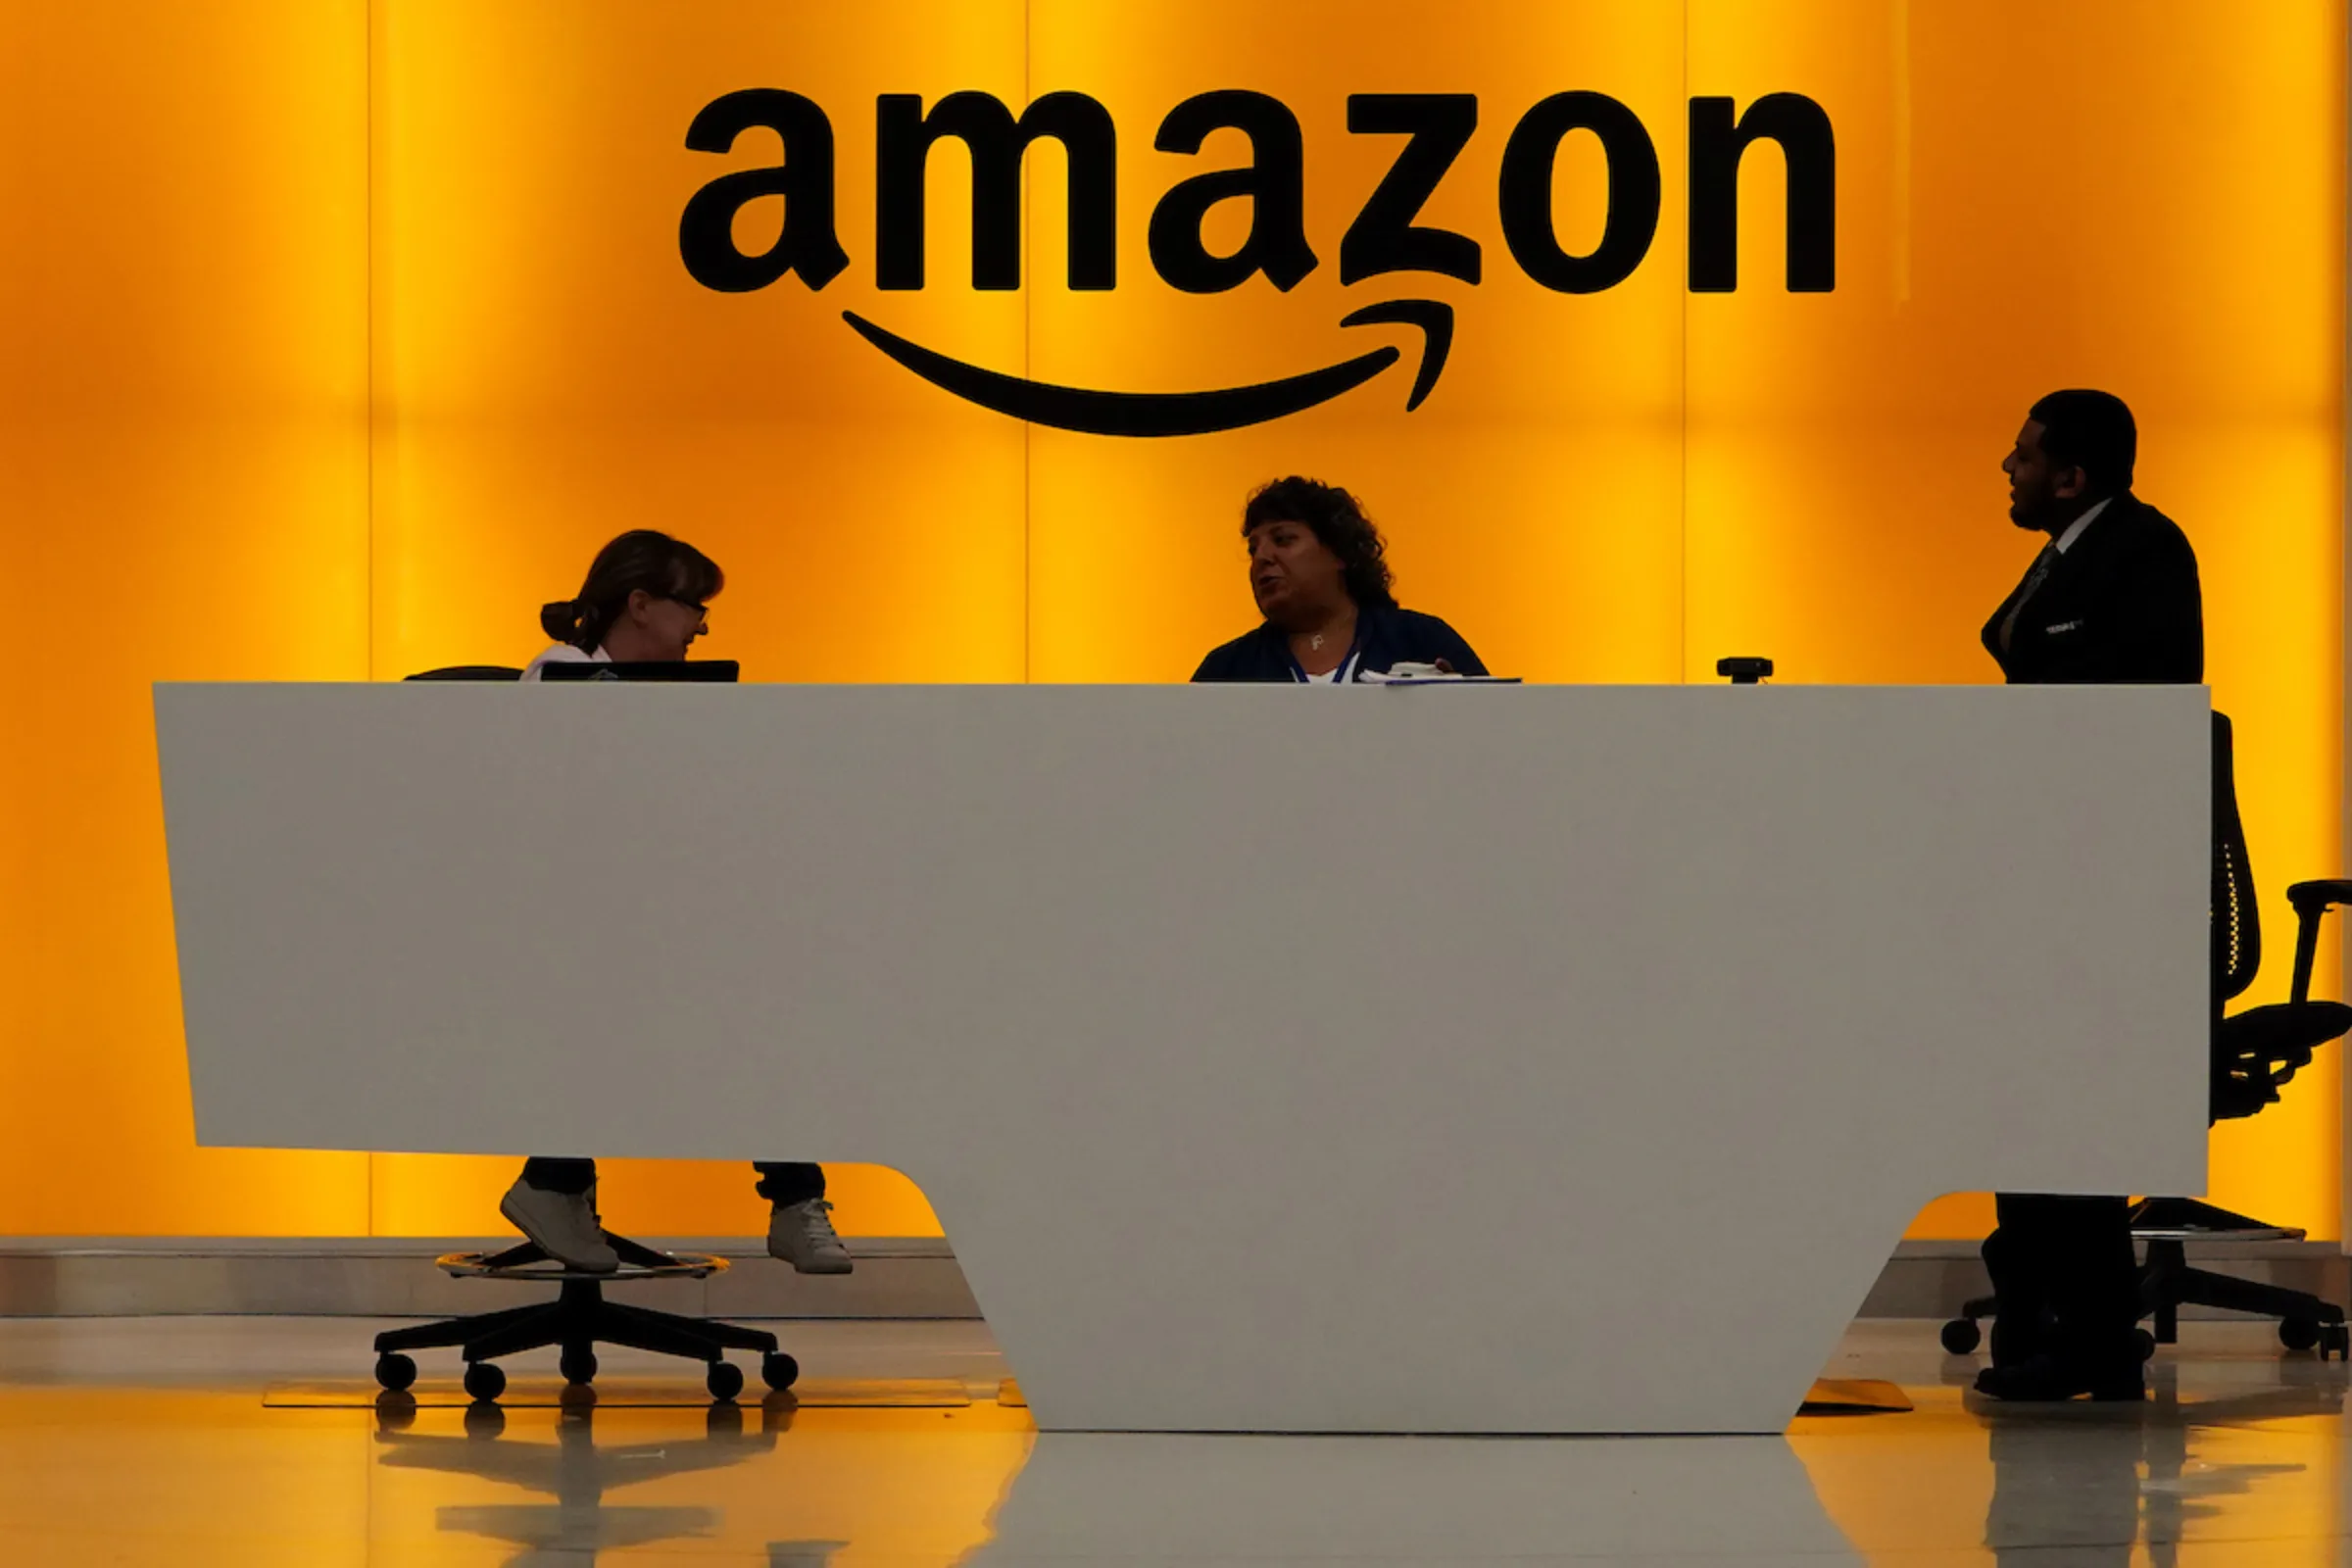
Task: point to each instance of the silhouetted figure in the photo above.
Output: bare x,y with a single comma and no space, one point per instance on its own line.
2112,599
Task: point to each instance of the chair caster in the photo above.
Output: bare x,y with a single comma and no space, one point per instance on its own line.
577,1366
1961,1335
2335,1340
2143,1343
485,1381
395,1371
2298,1333
725,1380
779,1371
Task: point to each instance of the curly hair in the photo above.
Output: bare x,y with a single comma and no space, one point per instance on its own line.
1338,519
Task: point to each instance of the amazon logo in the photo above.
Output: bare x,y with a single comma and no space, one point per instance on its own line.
1384,239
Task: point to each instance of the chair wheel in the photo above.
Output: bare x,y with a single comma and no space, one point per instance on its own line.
779,1371
577,1366
725,1380
395,1371
1961,1335
2145,1344
485,1381
2298,1333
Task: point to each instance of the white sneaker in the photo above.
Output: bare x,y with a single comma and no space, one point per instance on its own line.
802,1235
562,1224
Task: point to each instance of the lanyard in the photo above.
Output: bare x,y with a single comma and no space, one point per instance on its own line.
1338,678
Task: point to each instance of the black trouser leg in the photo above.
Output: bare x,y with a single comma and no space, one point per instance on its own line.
2013,1258
2065,1263
2096,1293
570,1177
785,1182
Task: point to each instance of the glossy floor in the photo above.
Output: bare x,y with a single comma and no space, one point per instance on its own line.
146,1441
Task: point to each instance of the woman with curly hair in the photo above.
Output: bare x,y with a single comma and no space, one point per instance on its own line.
1318,573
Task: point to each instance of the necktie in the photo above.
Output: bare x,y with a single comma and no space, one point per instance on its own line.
2033,581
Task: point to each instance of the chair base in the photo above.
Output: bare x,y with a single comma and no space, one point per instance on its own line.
578,1320
2193,1219
2168,1284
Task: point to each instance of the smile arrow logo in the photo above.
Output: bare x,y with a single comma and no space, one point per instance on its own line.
1164,413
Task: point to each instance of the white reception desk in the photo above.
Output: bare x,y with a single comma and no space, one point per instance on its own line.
1493,1059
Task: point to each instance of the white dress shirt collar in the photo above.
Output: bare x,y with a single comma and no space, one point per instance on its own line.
2074,530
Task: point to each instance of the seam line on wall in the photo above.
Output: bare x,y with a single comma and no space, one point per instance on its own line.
1028,337
367,400
1682,565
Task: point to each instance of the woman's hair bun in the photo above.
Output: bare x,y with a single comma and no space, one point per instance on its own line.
640,561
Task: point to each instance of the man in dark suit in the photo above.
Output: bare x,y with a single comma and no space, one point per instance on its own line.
2112,599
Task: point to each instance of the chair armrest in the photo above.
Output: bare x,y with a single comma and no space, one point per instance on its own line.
2318,897
2311,900
2319,894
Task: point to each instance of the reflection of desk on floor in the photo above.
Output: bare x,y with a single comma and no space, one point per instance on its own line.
1510,1058
1135,1497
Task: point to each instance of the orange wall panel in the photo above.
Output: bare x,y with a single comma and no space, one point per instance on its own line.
183,388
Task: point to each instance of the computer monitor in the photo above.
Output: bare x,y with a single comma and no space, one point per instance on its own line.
673,670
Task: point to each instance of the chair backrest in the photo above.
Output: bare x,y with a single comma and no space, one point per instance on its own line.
469,672
2236,919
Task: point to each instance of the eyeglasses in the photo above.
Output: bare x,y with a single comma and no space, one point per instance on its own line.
701,611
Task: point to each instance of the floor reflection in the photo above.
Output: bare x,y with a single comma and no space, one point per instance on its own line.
1091,1497
577,1472
768,1484
2237,1461
2099,1484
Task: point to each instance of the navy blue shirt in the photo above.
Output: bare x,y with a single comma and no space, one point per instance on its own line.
1384,639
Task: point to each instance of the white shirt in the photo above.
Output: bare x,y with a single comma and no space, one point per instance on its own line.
1338,676
2074,530
563,654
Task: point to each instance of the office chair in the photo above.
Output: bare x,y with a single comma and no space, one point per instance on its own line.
580,1318
2255,1052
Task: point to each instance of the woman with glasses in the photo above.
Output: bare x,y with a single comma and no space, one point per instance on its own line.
646,600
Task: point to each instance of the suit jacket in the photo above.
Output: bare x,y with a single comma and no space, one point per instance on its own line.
1385,638
2123,606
